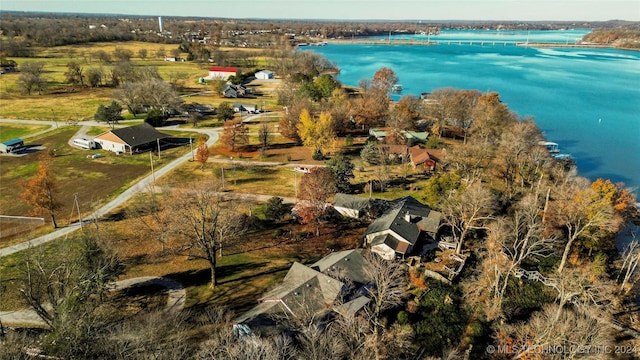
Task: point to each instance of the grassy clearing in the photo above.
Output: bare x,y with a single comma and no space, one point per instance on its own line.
10,131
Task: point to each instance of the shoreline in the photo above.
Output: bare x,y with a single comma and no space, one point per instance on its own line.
492,43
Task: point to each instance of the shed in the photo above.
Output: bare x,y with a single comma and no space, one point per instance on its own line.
10,146
264,75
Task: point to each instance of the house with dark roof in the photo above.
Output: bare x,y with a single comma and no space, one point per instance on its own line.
234,91
130,139
312,291
352,206
402,227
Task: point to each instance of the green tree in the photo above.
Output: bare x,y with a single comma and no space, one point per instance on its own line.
326,84
109,114
442,320
275,209
155,117
224,111
342,169
371,153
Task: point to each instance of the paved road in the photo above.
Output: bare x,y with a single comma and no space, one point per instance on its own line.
142,185
176,296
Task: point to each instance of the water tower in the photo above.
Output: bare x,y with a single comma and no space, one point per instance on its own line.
160,22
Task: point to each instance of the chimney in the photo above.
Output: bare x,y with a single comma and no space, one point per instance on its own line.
407,217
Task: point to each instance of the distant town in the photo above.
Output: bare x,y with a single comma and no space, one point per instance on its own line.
198,188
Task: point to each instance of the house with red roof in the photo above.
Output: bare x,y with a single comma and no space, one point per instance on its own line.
221,72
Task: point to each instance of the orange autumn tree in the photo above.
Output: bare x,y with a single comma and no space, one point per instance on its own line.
39,192
315,189
235,133
202,152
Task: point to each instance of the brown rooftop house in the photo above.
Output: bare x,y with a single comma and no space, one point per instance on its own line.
130,139
426,158
399,229
310,291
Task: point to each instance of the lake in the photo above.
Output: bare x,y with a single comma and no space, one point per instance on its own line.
585,99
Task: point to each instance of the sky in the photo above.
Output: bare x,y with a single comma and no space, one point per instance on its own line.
529,10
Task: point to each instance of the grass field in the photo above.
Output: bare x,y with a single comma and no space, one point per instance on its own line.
59,101
11,131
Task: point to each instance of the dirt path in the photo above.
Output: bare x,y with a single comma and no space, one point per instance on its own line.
176,296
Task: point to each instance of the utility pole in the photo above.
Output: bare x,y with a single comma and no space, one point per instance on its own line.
76,205
191,144
54,118
153,174
222,172
295,183
158,141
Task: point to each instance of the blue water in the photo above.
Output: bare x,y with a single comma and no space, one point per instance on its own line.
587,100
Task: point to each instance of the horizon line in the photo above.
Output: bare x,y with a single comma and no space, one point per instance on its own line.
311,19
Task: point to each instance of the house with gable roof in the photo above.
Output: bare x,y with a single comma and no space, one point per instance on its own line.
221,72
402,227
312,291
130,139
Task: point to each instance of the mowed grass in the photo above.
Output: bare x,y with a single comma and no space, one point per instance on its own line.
12,131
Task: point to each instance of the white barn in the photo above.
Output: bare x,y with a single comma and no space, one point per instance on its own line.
264,75
221,73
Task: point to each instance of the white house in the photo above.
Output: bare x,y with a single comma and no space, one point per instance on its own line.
264,75
221,73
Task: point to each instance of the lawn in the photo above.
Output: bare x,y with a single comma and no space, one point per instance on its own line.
12,131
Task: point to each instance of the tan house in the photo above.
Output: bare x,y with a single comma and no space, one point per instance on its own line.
130,139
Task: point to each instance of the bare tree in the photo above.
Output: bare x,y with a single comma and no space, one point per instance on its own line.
206,221
149,211
468,210
390,281
31,77
511,241
67,294
264,136
572,332
629,268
